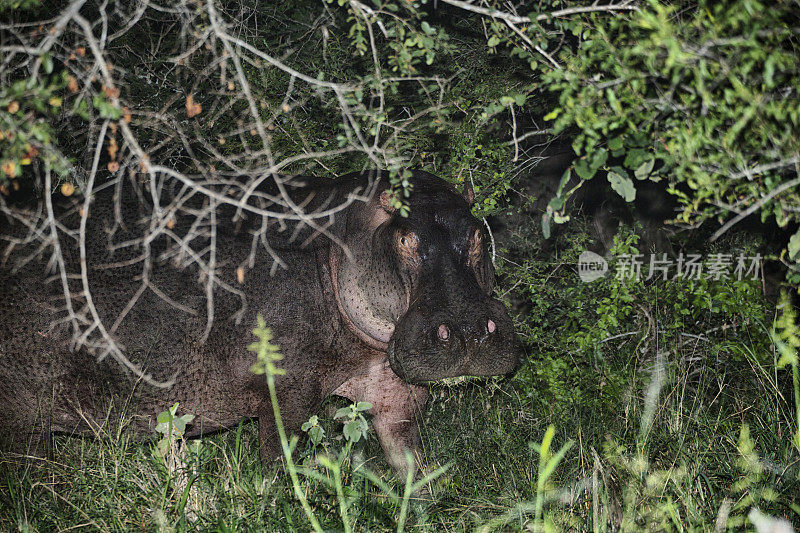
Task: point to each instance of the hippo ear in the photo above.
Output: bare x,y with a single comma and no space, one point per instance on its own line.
385,201
379,209
468,194
481,262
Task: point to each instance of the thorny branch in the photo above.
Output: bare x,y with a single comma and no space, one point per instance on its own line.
157,133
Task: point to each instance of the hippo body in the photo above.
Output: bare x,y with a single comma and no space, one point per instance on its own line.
409,304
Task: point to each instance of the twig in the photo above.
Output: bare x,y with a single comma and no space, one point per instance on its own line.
533,45
755,207
112,347
527,135
507,17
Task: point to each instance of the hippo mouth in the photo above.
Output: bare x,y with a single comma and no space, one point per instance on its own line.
406,366
407,374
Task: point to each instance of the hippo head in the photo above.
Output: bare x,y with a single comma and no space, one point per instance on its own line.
419,287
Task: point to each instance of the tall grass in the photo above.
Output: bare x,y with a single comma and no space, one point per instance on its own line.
655,431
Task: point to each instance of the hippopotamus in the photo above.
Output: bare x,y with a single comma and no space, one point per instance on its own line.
375,311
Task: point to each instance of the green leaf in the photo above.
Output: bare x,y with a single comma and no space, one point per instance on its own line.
586,167
363,406
553,461
82,109
634,158
352,431
794,246
565,177
316,434
313,421
612,101
546,225
342,412
555,204
599,158
623,185
106,108
551,115
644,170
494,40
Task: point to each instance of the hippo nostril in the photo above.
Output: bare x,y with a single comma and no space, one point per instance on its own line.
444,333
491,326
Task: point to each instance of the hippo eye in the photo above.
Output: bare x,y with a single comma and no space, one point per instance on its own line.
407,244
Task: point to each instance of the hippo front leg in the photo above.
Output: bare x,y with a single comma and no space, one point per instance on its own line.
396,406
397,431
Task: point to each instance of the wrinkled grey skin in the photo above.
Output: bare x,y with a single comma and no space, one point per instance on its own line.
368,326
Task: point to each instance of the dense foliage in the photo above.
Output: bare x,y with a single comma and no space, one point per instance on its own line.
704,97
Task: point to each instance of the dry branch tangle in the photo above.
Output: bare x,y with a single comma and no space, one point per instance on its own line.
174,167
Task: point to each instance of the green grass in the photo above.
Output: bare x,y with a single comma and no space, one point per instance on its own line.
676,474
685,425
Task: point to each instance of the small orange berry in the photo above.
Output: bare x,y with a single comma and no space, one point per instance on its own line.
192,108
10,169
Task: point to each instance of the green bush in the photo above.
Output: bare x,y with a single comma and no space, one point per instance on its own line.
704,96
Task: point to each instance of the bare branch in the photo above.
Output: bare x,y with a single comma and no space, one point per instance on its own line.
205,134
515,19
755,207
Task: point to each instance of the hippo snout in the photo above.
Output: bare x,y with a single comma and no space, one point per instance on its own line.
474,331
475,340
